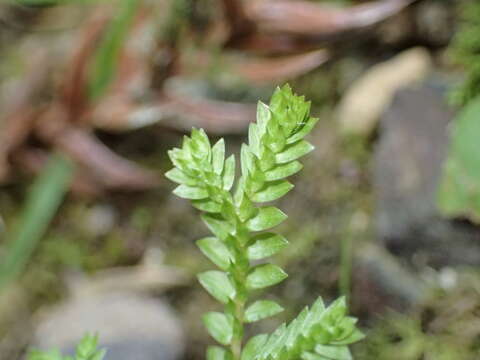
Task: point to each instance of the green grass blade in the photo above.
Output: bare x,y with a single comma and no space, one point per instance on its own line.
106,57
42,203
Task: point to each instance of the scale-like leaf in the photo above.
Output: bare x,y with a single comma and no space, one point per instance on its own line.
263,117
219,326
176,175
217,225
218,285
262,309
294,151
354,337
218,156
245,208
334,352
309,125
216,353
265,275
246,160
190,192
253,346
272,191
216,251
266,218
265,245
207,205
284,170
228,173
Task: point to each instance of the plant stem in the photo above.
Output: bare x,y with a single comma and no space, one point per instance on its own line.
345,265
236,345
239,274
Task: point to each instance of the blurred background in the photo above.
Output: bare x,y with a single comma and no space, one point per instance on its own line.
386,210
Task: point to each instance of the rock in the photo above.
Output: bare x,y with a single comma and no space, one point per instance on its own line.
130,326
100,219
366,99
408,165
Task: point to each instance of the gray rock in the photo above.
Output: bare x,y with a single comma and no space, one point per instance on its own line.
367,98
130,326
409,158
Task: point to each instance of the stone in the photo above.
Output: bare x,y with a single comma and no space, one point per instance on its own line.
130,326
367,98
408,166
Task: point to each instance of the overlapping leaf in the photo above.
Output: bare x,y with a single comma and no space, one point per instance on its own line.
318,333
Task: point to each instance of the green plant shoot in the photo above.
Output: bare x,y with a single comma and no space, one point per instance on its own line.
87,349
240,237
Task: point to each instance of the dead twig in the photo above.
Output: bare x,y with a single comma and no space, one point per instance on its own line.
305,18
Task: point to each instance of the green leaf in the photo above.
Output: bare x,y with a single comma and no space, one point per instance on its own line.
283,171
253,346
207,205
254,139
354,337
272,346
40,355
265,245
216,251
310,124
229,173
217,225
190,192
346,327
87,349
216,353
218,285
338,309
219,326
277,140
200,139
246,160
245,208
294,151
255,180
265,275
178,176
263,117
295,329
267,159
272,191
262,309
334,352
106,57
313,356
459,191
266,218
218,156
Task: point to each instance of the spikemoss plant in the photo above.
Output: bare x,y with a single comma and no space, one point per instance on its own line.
275,143
241,242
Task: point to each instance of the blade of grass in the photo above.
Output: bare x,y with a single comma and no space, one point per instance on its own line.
346,259
42,202
106,57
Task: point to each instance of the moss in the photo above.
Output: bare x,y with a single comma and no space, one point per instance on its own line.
444,328
465,51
